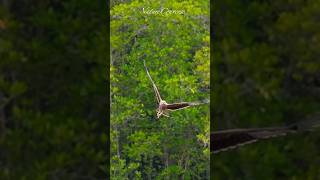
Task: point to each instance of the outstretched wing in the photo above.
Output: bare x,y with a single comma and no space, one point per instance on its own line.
153,84
177,106
182,105
230,139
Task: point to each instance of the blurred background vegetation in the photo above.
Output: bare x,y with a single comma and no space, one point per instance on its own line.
176,49
266,73
52,89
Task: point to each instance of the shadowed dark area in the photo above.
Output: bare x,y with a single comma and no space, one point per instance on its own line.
267,74
52,90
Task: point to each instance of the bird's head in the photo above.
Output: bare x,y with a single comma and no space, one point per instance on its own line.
162,104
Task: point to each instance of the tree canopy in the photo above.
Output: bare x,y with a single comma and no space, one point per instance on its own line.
266,61
176,50
52,90
265,72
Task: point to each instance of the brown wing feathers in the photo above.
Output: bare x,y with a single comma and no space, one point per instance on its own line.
181,105
176,106
230,139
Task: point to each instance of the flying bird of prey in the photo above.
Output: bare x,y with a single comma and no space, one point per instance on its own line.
230,139
163,106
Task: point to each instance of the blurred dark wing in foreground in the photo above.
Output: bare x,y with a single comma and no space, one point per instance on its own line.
230,139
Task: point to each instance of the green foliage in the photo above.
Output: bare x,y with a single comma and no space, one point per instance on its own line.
176,51
52,101
266,62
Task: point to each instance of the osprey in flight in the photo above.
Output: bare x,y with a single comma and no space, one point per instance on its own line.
229,139
164,107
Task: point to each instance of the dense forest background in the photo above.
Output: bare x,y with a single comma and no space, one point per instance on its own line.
176,50
266,73
53,90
